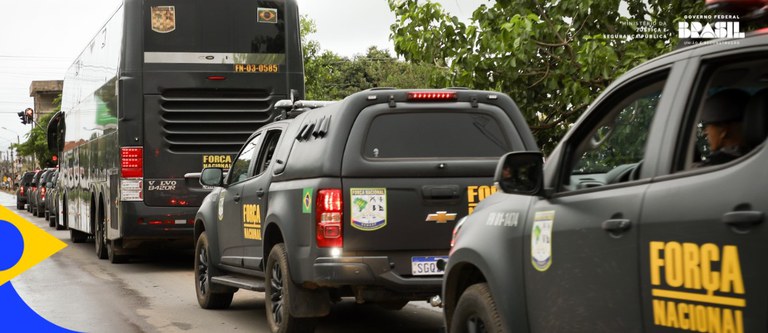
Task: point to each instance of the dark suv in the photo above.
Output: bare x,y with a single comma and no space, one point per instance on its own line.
41,193
21,191
32,189
52,200
633,223
356,199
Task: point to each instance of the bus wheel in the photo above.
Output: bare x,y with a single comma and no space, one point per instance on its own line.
279,287
207,296
100,240
112,249
77,236
476,312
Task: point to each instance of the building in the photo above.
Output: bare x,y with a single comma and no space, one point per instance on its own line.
44,92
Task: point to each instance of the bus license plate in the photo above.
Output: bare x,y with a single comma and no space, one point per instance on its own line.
426,265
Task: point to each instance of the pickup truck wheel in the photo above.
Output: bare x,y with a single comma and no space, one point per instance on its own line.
206,297
476,312
279,287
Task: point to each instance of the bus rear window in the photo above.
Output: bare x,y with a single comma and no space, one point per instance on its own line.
435,135
245,26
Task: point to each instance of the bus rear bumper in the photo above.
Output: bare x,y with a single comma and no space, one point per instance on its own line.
144,225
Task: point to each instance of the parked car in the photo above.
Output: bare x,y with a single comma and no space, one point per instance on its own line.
355,199
635,222
21,190
51,199
38,200
30,193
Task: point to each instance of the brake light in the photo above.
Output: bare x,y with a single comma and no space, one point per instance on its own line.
328,215
42,193
437,96
21,190
132,162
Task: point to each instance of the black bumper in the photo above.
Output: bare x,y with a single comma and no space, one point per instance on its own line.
371,271
137,223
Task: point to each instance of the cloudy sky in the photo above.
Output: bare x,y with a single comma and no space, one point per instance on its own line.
39,39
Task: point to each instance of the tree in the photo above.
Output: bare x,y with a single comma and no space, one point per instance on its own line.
552,57
37,140
329,76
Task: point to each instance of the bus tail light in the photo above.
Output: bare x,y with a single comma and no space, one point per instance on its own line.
132,162
131,189
328,214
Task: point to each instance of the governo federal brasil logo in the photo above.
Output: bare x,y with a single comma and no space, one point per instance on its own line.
728,27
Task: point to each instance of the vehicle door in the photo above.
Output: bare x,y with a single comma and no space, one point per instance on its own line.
230,214
703,236
582,241
255,199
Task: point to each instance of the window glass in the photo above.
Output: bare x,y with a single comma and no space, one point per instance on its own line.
265,157
613,150
731,115
239,171
435,135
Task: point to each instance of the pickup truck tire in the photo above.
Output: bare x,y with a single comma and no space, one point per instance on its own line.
278,287
476,312
207,297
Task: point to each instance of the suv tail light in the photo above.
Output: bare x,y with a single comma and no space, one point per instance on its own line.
132,162
42,193
21,190
328,215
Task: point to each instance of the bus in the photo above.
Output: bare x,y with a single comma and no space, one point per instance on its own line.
166,88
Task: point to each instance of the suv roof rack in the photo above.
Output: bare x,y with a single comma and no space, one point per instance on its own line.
291,109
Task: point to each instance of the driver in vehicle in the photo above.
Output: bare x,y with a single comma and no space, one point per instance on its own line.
721,118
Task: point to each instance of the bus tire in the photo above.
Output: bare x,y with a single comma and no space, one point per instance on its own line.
209,295
77,236
476,312
278,288
113,256
100,241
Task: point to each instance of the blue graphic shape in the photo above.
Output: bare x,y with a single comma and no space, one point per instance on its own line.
17,316
11,245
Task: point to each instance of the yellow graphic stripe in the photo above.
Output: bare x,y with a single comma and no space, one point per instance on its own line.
721,300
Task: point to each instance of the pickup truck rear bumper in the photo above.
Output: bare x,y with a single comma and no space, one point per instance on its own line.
371,271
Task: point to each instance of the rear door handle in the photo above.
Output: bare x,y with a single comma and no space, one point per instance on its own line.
616,225
260,192
743,218
236,198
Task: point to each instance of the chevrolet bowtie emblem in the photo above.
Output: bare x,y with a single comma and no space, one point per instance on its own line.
441,217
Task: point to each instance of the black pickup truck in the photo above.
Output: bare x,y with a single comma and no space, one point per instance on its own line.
355,199
649,216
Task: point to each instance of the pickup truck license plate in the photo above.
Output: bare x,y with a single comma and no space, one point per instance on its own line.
426,265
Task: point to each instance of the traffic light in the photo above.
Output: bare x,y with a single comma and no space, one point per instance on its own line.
29,113
23,117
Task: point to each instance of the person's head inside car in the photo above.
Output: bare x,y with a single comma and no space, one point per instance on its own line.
721,119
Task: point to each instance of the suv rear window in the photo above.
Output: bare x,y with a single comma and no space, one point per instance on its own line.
435,135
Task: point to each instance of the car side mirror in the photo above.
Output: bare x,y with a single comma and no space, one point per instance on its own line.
521,173
212,177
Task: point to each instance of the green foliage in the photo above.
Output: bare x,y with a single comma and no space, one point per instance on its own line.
330,76
552,57
37,140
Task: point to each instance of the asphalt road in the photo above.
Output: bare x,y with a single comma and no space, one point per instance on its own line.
75,290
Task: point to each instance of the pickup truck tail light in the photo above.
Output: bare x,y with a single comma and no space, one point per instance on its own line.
328,215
